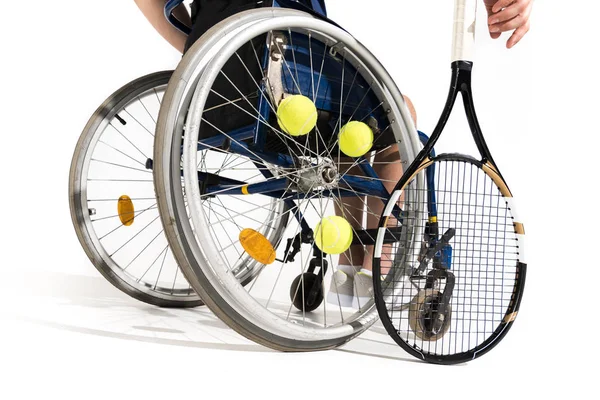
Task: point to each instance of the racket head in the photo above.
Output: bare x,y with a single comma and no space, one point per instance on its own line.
486,261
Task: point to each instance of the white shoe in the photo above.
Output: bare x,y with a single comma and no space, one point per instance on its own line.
341,289
363,290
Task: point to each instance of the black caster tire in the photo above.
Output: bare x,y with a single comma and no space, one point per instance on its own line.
312,297
425,322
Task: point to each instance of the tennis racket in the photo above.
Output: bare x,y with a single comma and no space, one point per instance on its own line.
448,287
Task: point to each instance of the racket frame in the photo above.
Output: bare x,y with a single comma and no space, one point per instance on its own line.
461,78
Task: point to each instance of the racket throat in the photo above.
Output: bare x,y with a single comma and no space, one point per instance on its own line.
460,83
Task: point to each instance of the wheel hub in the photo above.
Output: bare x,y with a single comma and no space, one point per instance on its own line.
323,175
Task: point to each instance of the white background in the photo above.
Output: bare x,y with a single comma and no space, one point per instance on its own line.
66,333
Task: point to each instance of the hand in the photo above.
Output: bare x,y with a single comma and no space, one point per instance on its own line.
508,15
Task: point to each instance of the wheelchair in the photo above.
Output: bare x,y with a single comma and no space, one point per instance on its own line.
176,167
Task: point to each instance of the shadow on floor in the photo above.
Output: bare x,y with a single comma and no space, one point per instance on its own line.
134,318
96,293
147,339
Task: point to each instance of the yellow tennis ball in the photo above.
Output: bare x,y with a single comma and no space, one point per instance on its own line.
356,139
297,115
333,235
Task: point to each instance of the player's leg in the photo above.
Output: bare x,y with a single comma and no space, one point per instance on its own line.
357,261
341,290
389,169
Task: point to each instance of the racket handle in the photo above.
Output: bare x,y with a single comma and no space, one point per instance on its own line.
465,12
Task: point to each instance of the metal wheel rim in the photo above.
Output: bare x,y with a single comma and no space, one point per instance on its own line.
257,314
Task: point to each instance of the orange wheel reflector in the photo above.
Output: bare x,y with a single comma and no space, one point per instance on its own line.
126,210
257,246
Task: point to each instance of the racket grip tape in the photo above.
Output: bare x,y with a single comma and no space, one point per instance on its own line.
465,12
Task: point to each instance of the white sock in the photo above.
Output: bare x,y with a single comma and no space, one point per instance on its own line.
347,269
366,272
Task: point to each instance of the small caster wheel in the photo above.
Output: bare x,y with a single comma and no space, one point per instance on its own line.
313,292
424,319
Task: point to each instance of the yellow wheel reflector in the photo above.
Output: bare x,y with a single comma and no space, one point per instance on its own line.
257,246
126,210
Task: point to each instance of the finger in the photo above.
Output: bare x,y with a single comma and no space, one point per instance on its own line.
506,26
488,6
517,35
500,4
494,35
507,14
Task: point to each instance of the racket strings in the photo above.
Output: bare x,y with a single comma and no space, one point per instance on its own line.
481,255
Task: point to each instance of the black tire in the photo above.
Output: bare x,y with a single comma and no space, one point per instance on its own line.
306,292
424,321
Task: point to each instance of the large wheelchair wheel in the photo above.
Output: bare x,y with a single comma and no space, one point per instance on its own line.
112,200
220,106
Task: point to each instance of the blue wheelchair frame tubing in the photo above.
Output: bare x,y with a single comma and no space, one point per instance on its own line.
444,255
430,176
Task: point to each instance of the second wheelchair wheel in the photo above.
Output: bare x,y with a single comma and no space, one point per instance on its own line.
232,81
112,200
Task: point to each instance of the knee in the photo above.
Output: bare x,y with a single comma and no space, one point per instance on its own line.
411,108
